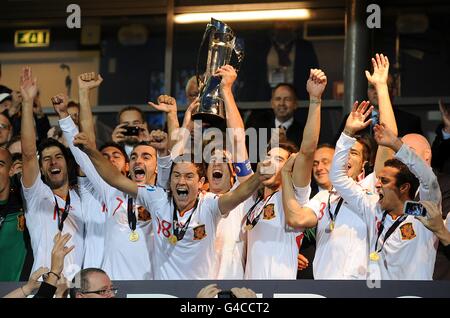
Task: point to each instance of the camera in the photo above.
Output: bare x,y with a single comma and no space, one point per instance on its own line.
226,294
414,208
131,131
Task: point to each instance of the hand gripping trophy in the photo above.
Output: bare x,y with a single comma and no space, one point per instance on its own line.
222,43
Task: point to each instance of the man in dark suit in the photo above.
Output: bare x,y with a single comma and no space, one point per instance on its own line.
280,118
407,123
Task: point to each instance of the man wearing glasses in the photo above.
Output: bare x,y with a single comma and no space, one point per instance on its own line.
93,283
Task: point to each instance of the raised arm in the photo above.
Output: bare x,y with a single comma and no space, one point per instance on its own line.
234,120
354,195
105,169
433,221
232,199
303,164
296,215
86,83
168,105
429,187
379,79
28,89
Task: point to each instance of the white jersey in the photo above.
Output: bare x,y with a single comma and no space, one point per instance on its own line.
230,244
123,259
193,256
410,252
94,228
272,245
42,223
343,252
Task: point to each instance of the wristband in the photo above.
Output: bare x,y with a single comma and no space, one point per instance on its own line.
59,277
243,169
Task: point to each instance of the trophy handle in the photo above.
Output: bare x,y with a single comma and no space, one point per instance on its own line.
209,27
239,51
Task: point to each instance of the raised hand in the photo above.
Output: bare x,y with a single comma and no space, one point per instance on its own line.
83,142
159,141
28,85
356,121
380,70
228,74
60,251
166,104
117,135
33,282
60,102
87,81
384,136
316,83
243,292
209,291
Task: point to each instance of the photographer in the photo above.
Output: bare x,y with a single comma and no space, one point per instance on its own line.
132,128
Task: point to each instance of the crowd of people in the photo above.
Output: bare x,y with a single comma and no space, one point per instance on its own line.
178,205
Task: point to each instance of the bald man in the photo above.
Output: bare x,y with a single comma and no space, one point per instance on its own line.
422,148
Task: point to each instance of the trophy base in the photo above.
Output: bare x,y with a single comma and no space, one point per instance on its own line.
211,120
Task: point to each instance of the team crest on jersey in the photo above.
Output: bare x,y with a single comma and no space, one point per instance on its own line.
21,222
143,214
407,231
269,212
199,232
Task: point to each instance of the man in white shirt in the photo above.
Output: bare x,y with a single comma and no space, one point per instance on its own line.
272,244
122,220
185,223
400,246
52,203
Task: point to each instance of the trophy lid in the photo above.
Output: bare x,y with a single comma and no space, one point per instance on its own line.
221,26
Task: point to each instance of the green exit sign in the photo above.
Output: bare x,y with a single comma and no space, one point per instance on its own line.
32,38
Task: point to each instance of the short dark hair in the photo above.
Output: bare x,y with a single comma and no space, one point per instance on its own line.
189,157
368,144
289,86
131,108
286,145
83,277
73,103
70,160
115,145
404,175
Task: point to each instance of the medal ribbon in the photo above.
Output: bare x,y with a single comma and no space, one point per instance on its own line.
389,231
336,211
131,215
62,218
251,219
180,231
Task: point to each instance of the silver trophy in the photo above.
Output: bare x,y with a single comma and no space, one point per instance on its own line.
222,43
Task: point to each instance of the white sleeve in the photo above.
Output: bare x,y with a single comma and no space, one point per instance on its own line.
34,194
315,204
429,187
359,200
151,198
302,194
70,130
163,176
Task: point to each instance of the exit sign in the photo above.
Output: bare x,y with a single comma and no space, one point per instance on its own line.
32,38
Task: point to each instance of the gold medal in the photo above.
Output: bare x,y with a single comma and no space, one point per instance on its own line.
331,225
248,227
374,256
134,236
173,239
